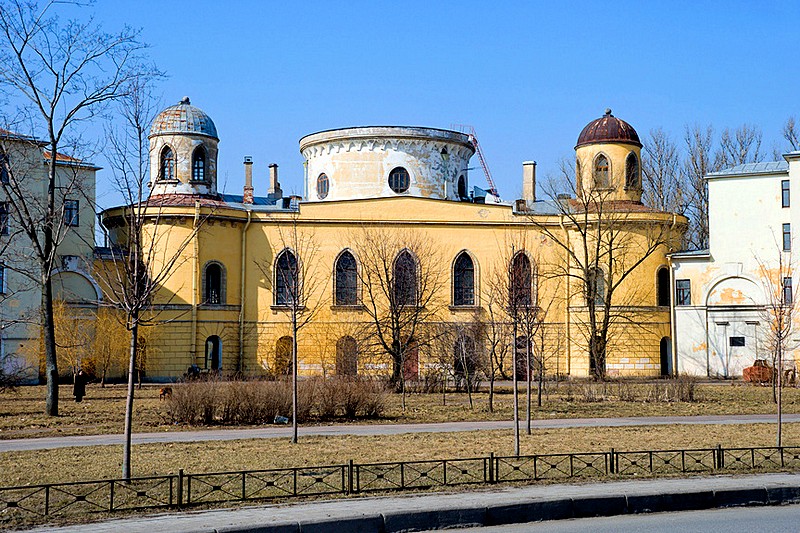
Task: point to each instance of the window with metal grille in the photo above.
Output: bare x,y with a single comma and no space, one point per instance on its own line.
322,186
399,180
463,280
787,237
683,292
787,290
199,164
287,283
601,171
166,169
346,292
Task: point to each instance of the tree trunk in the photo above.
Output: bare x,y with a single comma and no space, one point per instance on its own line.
516,398
51,362
126,449
294,376
780,391
528,385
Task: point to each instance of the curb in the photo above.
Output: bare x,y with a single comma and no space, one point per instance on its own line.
534,510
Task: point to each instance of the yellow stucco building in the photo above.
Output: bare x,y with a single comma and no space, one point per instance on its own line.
227,303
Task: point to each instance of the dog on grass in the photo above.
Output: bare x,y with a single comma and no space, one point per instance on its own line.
165,393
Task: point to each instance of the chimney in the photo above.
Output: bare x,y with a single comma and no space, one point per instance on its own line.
247,197
529,181
274,186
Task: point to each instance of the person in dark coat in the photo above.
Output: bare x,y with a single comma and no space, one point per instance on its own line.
79,388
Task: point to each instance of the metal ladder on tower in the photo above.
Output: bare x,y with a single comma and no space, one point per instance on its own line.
473,138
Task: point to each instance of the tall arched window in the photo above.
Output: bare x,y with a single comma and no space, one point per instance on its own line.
213,353
346,356
462,187
632,172
346,290
166,169
283,357
199,164
287,279
463,280
520,282
601,171
595,286
214,284
405,279
663,286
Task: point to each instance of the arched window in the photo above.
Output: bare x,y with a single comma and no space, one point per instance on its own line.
662,286
213,353
520,282
346,356
199,164
463,280
214,284
346,290
399,180
287,279
322,186
166,169
601,171
283,357
462,187
632,172
405,279
595,286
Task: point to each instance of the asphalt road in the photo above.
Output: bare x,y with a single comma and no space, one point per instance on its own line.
373,429
750,519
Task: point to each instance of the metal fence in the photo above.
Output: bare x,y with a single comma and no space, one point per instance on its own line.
186,490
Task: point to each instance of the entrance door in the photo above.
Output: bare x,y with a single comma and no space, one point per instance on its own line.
213,353
666,357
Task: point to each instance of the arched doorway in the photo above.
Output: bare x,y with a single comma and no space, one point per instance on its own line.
411,363
346,356
663,287
213,353
666,356
283,356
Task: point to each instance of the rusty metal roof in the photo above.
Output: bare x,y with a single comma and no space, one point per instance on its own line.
183,118
608,129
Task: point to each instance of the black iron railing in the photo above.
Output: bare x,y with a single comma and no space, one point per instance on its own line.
186,489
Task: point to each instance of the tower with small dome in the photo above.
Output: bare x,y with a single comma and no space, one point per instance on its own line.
183,151
608,160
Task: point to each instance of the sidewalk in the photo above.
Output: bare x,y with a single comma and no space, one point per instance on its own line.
46,443
486,507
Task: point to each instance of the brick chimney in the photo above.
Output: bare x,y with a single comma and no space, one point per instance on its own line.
274,185
247,196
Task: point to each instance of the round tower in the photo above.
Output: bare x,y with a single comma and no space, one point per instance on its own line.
386,161
608,160
183,151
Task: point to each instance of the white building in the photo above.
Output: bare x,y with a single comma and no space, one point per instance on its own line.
720,322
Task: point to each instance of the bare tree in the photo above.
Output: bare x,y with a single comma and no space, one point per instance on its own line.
791,134
740,146
297,288
777,278
60,75
142,255
399,283
601,243
699,161
665,187
495,335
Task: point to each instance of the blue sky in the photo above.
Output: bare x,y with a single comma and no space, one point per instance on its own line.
527,75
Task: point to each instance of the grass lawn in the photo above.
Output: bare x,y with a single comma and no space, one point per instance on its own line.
70,464
102,411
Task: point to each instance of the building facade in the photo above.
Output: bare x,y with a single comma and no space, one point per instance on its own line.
227,303
723,295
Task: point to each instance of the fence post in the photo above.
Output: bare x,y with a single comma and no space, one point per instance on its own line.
179,488
611,466
244,485
491,467
111,496
47,500
350,476
720,457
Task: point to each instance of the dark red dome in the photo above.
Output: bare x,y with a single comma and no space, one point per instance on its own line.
608,129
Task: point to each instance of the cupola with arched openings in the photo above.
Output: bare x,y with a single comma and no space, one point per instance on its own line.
608,159
183,151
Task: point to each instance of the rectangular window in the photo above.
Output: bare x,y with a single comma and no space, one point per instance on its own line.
683,292
787,237
2,278
71,212
787,290
737,341
4,170
785,193
3,218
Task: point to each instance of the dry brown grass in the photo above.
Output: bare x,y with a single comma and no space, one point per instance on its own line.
102,411
70,464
